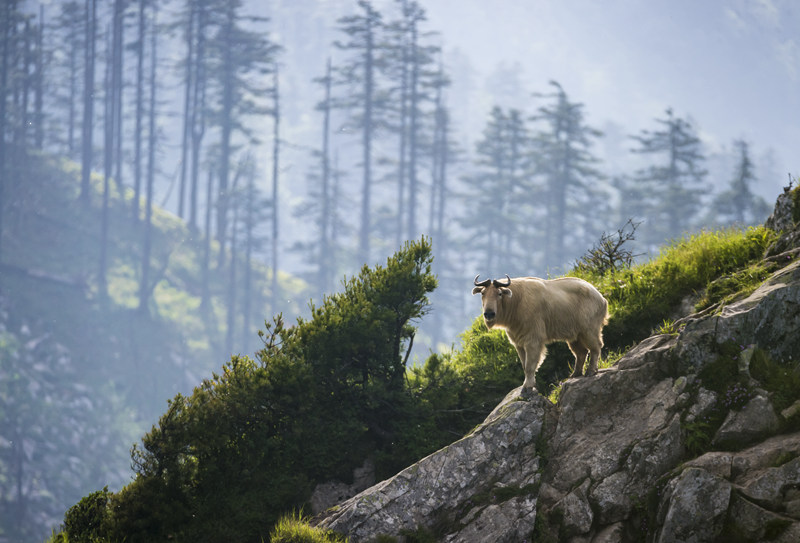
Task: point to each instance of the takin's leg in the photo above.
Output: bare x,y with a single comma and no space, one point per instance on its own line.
534,353
595,345
580,353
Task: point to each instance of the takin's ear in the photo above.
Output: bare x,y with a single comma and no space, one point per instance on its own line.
505,292
477,290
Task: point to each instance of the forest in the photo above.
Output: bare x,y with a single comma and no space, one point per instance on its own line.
154,216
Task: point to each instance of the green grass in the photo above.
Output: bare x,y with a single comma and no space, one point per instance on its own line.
644,297
294,528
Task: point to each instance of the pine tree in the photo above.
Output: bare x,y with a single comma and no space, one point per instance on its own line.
69,24
321,202
738,204
502,163
674,184
237,56
413,78
359,75
563,158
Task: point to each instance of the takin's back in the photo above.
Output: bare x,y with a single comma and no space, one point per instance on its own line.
564,307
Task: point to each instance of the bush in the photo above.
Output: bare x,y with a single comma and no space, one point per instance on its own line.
250,442
87,521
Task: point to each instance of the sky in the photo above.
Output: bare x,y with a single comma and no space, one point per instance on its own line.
733,67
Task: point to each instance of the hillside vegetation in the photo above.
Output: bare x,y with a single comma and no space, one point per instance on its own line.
250,443
82,377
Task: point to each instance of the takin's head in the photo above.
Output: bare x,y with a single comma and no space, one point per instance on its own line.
492,292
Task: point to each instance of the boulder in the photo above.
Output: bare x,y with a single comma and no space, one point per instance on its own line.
484,483
756,420
694,507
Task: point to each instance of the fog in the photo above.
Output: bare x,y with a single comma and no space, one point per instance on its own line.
728,69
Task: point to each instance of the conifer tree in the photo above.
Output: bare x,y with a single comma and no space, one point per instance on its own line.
738,204
674,183
322,201
409,66
358,74
564,160
240,58
502,163
68,31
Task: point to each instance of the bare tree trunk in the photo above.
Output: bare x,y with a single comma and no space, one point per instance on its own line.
249,225
144,292
21,138
401,163
226,128
231,305
108,152
205,298
3,97
117,85
73,95
369,86
187,107
38,88
198,118
137,146
412,135
88,101
275,222
325,260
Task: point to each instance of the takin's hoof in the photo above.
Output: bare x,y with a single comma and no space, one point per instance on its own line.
575,375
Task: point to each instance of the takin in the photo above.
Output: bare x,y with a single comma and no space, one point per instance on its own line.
535,312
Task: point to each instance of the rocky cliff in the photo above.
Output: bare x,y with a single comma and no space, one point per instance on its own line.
692,436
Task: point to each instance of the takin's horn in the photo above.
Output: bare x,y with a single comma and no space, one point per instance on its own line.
482,283
497,282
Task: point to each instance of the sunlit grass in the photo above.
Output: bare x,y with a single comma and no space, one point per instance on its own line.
643,296
294,528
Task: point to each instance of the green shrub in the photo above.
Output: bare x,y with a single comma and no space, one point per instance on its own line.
87,521
251,441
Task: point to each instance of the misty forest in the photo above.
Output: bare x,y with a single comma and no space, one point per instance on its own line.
236,258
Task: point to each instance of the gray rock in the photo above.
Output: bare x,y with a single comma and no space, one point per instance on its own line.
781,217
330,493
756,420
694,507
457,481
613,533
770,486
751,522
768,318
575,511
702,406
508,522
716,463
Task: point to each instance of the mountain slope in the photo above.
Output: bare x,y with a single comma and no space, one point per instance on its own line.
673,443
